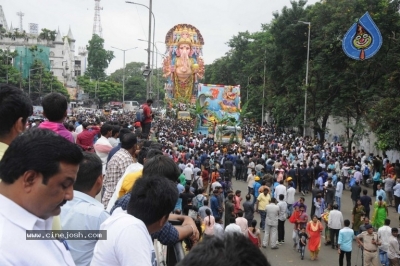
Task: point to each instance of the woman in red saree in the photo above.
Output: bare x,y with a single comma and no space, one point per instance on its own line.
314,229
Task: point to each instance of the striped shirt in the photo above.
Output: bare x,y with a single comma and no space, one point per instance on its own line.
115,169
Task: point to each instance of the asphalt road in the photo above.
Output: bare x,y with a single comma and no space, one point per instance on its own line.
287,256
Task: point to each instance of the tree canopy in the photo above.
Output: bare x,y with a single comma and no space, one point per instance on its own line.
354,92
98,58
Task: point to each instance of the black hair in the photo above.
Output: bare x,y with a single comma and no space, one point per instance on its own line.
149,101
122,132
85,125
152,153
254,224
232,220
115,130
54,106
162,165
152,198
39,150
14,103
105,129
365,192
142,154
128,141
347,222
240,213
281,196
230,250
89,171
205,202
387,222
208,212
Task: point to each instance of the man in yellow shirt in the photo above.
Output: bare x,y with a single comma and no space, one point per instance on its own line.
15,108
130,179
262,201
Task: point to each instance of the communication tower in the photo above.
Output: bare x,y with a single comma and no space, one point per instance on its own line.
20,15
97,29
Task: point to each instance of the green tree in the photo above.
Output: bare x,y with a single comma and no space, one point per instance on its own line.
43,82
135,84
98,58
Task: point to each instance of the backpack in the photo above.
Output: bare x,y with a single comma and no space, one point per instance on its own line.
199,202
366,170
195,184
140,115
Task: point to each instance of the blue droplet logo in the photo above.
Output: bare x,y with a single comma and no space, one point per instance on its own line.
363,40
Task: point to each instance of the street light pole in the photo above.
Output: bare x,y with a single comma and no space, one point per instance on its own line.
123,73
263,100
158,52
148,92
308,60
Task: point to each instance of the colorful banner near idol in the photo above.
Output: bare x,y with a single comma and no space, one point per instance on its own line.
220,102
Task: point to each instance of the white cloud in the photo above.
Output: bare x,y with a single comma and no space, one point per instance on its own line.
123,24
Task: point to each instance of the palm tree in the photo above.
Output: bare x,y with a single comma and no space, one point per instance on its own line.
197,110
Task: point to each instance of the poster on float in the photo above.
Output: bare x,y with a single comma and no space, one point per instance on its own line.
220,102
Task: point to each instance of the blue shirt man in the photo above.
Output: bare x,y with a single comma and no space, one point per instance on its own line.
215,205
345,239
82,213
345,242
380,192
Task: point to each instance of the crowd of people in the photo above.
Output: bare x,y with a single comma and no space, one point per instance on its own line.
159,179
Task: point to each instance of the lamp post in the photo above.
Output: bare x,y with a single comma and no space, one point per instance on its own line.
123,73
263,95
308,60
158,52
148,92
29,79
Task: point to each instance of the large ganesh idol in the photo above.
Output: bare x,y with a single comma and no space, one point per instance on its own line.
183,66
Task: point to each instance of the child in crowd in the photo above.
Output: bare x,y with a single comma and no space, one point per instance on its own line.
302,241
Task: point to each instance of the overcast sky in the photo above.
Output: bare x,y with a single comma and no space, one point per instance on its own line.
123,24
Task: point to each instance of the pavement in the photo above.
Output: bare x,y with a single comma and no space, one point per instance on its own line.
287,256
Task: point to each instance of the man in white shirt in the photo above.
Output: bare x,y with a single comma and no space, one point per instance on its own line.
280,189
271,225
339,192
281,219
393,248
37,179
290,200
232,227
103,146
84,212
242,222
384,234
128,233
114,136
335,223
188,172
